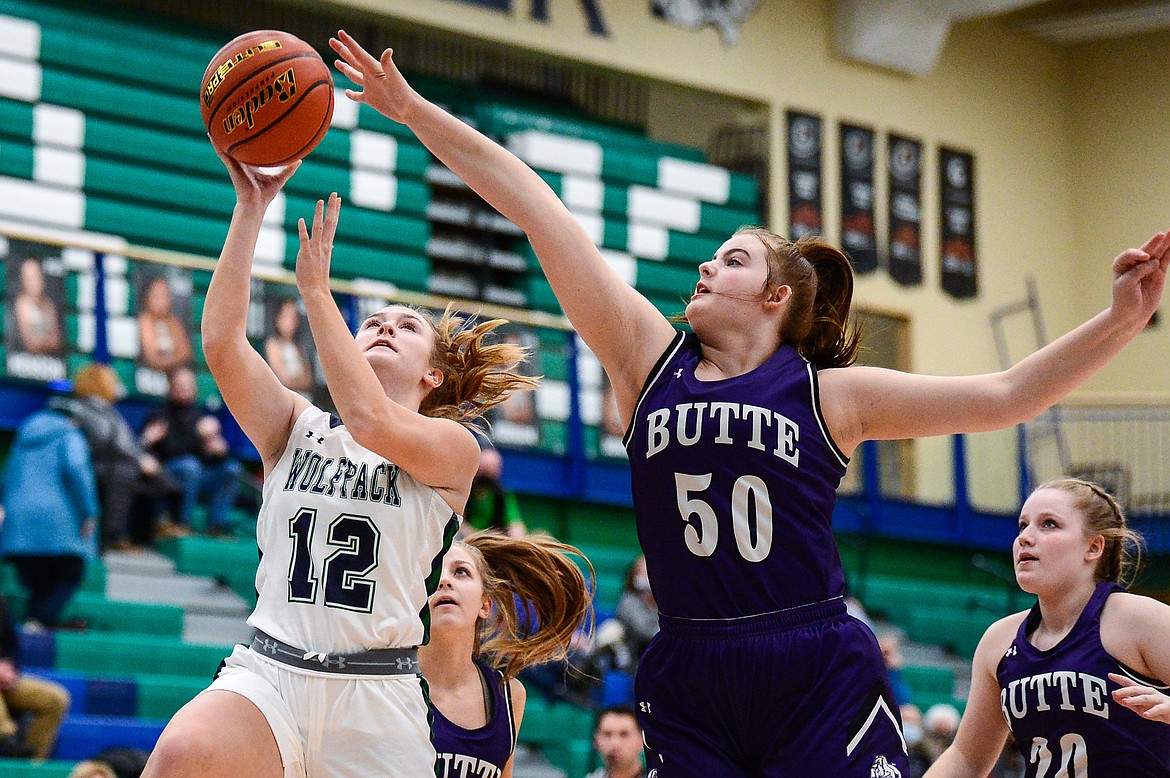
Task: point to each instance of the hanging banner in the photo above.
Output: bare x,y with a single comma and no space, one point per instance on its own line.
288,345
858,233
35,342
165,323
957,195
904,158
516,422
805,209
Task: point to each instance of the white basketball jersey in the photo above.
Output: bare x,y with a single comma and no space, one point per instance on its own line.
351,546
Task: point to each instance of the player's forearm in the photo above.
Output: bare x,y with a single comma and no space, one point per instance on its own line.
225,312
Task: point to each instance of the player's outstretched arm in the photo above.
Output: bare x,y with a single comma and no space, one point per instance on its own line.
982,730
263,407
624,330
873,404
440,453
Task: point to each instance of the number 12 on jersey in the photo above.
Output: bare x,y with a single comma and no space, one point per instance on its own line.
344,571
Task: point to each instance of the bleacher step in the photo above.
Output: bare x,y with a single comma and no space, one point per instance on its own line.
145,562
207,628
195,594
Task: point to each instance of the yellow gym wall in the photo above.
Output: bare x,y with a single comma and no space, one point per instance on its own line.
1060,186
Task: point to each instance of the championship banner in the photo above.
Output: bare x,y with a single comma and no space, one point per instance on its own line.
957,195
805,209
858,233
36,340
904,158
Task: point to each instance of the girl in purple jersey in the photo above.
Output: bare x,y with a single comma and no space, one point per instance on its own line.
738,436
1074,679
503,604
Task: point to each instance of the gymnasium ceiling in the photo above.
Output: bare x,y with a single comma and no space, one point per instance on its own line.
908,35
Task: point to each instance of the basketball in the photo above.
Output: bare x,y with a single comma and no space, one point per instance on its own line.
266,98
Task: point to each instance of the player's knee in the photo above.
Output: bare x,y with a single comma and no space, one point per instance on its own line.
182,752
57,700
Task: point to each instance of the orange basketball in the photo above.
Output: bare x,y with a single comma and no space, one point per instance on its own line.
266,98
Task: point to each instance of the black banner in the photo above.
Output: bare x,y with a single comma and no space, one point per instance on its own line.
288,345
805,209
858,233
957,194
904,158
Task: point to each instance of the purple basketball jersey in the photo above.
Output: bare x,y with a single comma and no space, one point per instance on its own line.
483,752
1059,707
734,483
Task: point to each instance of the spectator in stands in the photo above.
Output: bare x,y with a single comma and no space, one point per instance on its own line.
24,695
491,505
939,724
626,636
129,480
38,324
284,352
189,442
163,339
92,768
890,642
490,588
617,738
1080,678
50,509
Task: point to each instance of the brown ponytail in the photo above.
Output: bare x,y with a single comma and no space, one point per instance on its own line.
478,373
821,279
540,598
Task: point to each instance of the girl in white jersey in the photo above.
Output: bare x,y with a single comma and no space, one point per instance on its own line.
357,514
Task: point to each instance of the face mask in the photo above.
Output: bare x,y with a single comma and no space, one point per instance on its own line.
912,733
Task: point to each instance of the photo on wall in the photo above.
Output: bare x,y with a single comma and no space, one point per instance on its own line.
164,324
288,344
34,302
516,421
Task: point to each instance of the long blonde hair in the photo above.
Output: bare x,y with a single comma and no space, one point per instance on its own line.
540,598
478,373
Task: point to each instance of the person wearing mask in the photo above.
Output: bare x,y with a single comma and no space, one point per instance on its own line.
491,505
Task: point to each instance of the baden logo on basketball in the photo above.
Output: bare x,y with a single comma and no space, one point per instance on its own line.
221,72
283,88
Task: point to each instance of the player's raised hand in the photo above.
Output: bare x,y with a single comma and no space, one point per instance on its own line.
253,186
1139,276
316,250
382,86
1147,702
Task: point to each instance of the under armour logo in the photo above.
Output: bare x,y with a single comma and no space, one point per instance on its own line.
644,707
678,373
327,660
883,769
268,646
406,663
314,436
1010,652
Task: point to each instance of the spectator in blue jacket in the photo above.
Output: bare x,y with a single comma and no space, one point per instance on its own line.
50,510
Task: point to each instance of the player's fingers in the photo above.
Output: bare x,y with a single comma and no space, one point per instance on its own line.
332,212
1128,260
350,72
303,231
362,56
285,174
1156,244
318,220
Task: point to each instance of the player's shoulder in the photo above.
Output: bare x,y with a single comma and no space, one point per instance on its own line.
998,639
1126,610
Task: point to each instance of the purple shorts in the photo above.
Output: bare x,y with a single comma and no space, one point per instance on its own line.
784,695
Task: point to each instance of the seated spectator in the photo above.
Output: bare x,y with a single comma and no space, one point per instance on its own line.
890,643
939,725
617,738
129,480
45,701
626,636
50,508
189,442
490,505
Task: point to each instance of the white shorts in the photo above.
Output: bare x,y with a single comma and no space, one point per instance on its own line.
339,726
